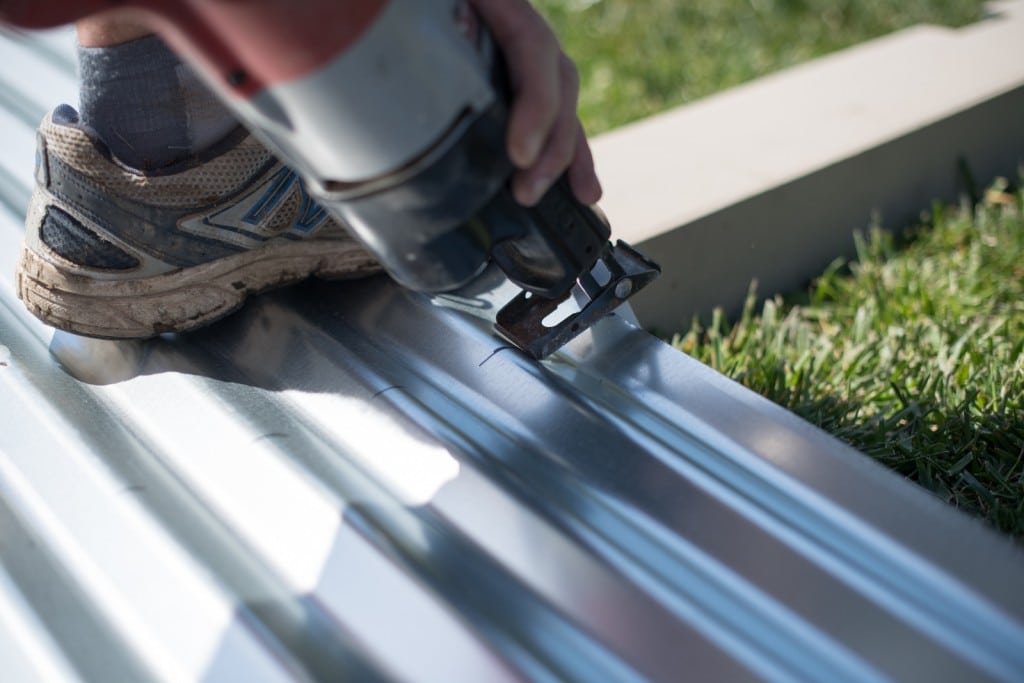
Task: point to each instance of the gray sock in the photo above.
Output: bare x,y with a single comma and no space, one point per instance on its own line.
149,108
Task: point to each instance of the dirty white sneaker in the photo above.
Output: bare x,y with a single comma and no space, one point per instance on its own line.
113,252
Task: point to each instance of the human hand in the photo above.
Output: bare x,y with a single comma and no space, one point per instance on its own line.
545,136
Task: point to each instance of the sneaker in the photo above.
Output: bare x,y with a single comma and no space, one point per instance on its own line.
113,252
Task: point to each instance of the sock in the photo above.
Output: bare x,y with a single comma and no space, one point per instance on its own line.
149,108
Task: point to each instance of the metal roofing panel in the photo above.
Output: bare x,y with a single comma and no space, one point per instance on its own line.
355,481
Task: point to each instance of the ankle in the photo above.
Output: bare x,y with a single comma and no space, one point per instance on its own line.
146,105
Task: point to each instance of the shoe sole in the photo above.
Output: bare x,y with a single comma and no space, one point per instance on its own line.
180,301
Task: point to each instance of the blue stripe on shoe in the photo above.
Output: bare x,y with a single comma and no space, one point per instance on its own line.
310,215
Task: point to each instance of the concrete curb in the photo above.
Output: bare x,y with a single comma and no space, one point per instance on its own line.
769,180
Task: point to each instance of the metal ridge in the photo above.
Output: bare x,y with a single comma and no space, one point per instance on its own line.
351,481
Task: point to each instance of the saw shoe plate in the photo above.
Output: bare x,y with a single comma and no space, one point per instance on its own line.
619,273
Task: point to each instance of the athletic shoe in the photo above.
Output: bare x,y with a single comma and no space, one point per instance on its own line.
113,252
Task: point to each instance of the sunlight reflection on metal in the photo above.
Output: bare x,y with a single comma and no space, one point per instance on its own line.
413,469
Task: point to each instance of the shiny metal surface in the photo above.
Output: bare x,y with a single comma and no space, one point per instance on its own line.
353,482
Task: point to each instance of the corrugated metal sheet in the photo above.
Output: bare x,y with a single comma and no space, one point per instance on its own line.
352,482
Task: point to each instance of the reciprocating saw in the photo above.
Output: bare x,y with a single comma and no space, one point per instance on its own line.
395,114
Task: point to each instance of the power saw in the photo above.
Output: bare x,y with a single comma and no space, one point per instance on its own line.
395,112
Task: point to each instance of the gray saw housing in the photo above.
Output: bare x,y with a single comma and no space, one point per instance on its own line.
402,137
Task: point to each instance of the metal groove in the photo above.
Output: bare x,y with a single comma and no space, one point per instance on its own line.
543,480
836,541
95,650
383,517
294,627
350,481
418,541
545,488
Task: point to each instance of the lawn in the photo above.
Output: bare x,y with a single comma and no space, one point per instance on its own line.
638,57
912,352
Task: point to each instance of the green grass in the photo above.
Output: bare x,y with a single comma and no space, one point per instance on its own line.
638,57
912,354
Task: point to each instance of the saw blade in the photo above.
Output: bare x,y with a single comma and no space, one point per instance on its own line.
620,272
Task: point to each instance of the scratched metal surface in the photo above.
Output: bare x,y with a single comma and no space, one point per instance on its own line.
351,482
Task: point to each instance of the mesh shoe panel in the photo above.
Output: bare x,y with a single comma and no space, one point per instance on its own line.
66,236
202,185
